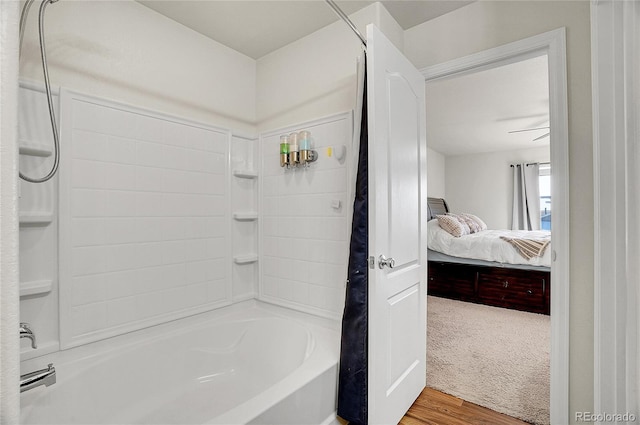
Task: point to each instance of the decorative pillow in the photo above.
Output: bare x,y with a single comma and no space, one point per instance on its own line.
475,219
466,230
452,225
467,222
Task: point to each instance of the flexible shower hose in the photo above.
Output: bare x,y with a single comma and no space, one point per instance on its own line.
47,85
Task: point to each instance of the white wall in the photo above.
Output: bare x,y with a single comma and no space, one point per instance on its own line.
305,221
482,184
316,75
435,174
9,367
310,78
144,219
124,51
486,24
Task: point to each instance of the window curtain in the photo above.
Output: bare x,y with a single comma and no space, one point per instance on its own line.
526,197
353,373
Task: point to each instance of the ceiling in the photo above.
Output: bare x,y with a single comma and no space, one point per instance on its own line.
258,27
474,113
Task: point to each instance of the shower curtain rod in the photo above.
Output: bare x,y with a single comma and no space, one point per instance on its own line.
346,19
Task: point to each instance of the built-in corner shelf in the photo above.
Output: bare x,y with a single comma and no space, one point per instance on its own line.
245,259
35,287
245,216
245,174
37,218
34,149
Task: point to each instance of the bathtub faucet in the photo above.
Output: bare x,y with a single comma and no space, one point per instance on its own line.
26,332
44,377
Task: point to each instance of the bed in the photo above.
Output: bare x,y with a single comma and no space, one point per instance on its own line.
525,285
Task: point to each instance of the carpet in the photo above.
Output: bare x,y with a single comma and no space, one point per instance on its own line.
493,357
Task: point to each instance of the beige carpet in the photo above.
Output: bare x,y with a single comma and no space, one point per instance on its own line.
490,356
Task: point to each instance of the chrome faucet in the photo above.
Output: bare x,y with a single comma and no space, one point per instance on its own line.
44,377
26,332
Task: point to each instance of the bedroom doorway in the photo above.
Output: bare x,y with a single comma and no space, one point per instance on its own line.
545,51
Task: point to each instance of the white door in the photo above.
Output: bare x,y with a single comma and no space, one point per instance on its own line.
397,230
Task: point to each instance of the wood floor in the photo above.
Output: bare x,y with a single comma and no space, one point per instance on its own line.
435,408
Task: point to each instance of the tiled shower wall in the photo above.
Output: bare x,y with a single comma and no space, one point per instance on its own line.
305,221
38,205
159,218
144,219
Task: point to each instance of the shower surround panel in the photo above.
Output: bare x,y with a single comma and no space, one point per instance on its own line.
306,221
144,219
38,221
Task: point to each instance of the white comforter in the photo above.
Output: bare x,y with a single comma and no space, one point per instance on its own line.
486,245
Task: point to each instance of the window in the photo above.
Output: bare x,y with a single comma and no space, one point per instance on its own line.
544,180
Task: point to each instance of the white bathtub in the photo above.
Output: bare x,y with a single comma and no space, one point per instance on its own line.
249,363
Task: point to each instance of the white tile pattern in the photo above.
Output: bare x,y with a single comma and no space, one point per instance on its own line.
304,240
144,219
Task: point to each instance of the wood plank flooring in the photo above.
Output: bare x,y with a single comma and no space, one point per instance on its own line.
435,408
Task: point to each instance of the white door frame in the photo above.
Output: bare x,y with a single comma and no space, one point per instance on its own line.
615,70
9,351
552,43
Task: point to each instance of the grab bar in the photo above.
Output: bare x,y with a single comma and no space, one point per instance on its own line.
44,377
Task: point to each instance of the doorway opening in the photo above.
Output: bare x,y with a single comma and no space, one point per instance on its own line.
460,187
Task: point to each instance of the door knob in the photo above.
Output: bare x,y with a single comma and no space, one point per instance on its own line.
386,262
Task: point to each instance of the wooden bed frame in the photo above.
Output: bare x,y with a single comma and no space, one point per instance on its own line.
500,286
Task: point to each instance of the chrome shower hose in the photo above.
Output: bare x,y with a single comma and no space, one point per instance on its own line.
47,86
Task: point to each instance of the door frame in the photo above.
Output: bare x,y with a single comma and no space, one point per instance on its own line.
553,44
615,31
9,261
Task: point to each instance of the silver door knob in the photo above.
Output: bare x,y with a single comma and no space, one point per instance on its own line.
386,262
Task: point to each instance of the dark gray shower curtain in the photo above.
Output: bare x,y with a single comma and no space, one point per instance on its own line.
352,381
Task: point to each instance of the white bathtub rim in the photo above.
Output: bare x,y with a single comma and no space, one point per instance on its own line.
89,352
323,355
322,359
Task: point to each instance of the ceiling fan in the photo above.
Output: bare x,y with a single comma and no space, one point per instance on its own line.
532,129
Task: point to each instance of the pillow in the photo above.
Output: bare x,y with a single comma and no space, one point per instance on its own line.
452,225
473,226
469,226
475,219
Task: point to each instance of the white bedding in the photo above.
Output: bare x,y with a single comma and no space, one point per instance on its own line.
486,245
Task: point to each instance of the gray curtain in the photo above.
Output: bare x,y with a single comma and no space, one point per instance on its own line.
526,197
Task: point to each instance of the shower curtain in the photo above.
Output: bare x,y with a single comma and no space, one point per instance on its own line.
353,380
